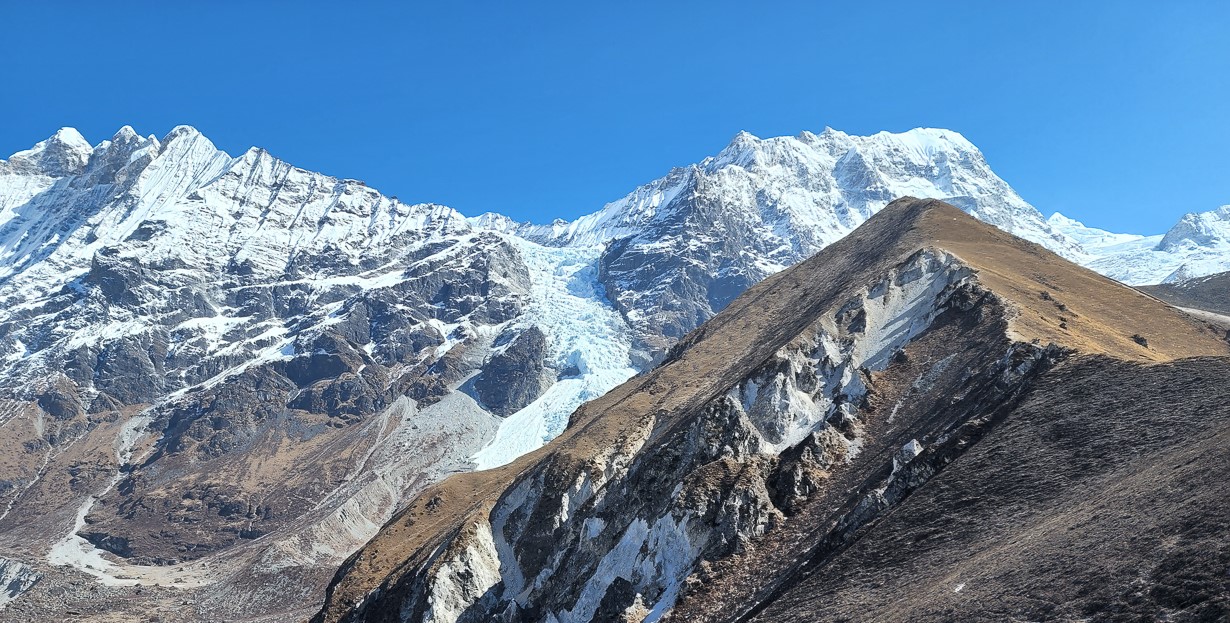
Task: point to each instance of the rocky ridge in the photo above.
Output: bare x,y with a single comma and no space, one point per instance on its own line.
824,396
217,365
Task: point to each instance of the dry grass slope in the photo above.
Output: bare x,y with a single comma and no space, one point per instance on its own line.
1100,498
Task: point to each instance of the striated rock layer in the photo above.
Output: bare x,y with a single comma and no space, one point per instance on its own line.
783,432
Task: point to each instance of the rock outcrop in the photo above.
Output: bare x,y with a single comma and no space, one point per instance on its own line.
514,375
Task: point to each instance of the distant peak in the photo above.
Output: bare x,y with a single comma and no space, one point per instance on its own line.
738,150
744,138
186,137
64,153
1059,220
70,137
930,139
1199,229
255,154
125,133
180,131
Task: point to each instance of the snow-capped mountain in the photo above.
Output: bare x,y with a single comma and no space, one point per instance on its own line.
238,363
681,247
1196,246
227,372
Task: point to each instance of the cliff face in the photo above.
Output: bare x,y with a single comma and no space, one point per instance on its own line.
772,438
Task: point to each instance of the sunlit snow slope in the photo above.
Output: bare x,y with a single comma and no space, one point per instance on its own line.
1198,245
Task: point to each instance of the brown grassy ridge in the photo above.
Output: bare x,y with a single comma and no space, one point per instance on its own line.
1053,301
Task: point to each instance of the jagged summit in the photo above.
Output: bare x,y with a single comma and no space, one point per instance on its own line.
804,385
64,153
1204,229
67,152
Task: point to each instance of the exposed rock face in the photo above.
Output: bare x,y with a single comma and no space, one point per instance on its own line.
514,376
772,438
1047,517
324,372
65,153
207,352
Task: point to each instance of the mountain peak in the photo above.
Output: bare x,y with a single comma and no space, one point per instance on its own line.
63,153
180,131
927,140
125,133
744,136
1201,229
1059,220
740,145
186,137
71,137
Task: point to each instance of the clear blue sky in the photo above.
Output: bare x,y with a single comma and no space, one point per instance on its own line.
1115,112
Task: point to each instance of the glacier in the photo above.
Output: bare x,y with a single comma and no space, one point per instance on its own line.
1196,246
589,341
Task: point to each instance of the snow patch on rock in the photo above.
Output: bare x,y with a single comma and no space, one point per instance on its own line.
15,578
809,385
463,576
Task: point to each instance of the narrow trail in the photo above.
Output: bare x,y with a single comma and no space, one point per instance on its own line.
38,475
